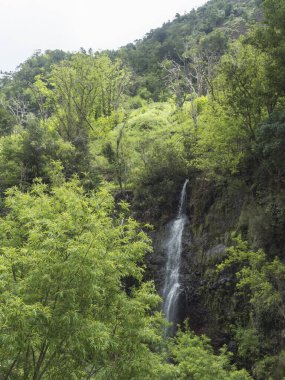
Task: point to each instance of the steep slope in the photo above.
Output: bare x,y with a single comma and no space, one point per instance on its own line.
217,19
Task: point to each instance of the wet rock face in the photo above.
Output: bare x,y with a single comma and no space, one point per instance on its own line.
204,242
197,253
190,304
156,261
207,297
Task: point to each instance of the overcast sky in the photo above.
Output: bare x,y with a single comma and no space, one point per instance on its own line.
28,25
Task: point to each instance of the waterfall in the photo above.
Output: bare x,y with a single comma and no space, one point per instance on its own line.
172,287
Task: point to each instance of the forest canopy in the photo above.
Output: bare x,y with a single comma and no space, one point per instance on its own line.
94,147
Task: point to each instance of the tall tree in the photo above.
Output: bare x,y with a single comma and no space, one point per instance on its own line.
77,93
66,311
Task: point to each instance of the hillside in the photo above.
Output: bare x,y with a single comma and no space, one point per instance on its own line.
142,189
215,23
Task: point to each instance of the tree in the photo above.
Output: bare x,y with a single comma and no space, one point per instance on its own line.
32,152
269,38
7,122
17,86
194,359
260,283
77,93
66,311
221,141
244,88
191,74
183,82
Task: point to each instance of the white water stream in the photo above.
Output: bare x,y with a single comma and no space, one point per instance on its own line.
172,287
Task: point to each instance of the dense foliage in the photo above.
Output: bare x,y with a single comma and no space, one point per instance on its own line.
89,142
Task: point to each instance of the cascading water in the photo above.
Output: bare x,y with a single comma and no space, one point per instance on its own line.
172,287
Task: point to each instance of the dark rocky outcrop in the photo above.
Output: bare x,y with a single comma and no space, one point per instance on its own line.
214,210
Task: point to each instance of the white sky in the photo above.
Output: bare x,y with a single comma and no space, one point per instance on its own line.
28,25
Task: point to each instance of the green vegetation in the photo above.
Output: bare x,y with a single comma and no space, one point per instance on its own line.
64,313
92,142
